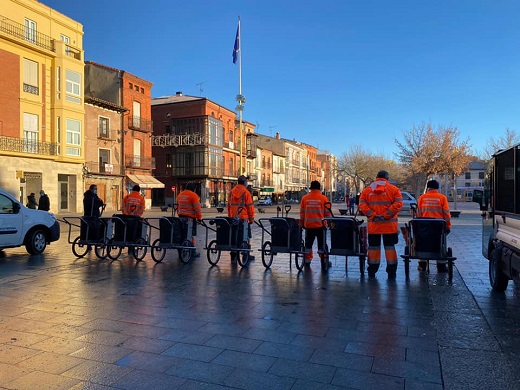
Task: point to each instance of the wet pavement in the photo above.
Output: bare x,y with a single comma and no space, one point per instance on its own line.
90,324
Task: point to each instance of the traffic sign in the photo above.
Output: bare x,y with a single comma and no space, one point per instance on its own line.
173,188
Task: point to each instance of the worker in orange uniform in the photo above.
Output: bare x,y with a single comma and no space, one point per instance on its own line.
433,204
380,202
240,197
189,207
312,212
133,203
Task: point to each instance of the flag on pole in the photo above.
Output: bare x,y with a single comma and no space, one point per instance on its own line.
236,49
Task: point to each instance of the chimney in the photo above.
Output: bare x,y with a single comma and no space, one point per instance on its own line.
178,93
277,136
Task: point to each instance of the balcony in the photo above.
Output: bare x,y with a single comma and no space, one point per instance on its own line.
231,173
20,145
95,167
132,161
19,31
141,124
105,134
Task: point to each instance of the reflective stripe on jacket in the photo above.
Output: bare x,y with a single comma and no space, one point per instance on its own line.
189,205
381,199
434,205
241,197
312,210
133,204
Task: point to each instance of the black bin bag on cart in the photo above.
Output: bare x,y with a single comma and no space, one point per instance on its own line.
343,234
280,229
167,225
134,227
229,226
92,229
427,235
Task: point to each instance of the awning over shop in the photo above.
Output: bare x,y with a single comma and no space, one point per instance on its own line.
146,181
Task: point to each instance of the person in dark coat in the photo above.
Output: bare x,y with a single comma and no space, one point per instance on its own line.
31,201
44,202
92,202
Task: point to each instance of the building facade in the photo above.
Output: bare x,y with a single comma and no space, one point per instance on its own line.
41,103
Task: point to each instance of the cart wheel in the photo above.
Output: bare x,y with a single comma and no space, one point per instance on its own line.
157,252
101,251
243,255
140,249
187,251
213,253
79,249
114,252
267,255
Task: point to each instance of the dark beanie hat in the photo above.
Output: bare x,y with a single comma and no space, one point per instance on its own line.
433,184
315,185
191,186
242,179
382,175
136,188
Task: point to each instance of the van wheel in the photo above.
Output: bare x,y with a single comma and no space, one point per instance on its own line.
497,278
36,242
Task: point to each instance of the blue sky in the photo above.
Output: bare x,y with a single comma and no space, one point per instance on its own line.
332,73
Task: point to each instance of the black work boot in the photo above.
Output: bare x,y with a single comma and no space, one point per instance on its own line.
392,271
372,269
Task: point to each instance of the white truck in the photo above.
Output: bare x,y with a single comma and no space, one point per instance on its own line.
500,206
20,225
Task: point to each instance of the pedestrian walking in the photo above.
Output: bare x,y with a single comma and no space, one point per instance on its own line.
352,204
189,208
380,202
44,203
240,197
31,201
433,204
133,203
312,212
92,202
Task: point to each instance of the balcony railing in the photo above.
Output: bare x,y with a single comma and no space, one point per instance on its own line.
19,31
106,134
103,168
132,161
21,145
31,89
138,123
231,173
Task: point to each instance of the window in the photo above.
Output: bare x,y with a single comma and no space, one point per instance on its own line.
30,133
231,167
137,152
73,87
481,175
142,90
136,88
104,161
73,137
104,127
467,176
30,76
58,82
30,30
65,39
58,134
136,120
215,132
6,207
130,85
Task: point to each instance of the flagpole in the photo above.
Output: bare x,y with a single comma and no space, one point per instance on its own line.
240,98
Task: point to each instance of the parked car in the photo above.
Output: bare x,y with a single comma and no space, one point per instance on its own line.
408,200
20,225
267,201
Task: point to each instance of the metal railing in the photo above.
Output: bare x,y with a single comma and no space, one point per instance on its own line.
20,145
139,123
20,31
103,168
139,162
31,89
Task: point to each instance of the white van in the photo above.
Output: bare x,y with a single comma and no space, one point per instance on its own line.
20,225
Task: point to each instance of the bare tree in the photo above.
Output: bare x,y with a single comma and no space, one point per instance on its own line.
505,141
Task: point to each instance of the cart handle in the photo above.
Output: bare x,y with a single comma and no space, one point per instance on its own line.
287,209
278,209
328,206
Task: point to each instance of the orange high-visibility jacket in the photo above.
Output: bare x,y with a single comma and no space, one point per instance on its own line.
434,205
381,199
241,197
312,210
133,204
189,205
